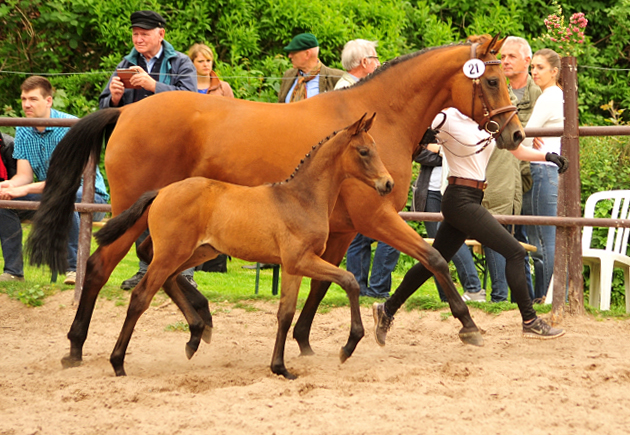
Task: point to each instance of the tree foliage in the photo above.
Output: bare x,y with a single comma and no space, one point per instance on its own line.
83,40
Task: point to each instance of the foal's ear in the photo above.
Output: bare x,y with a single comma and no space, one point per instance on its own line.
358,126
369,122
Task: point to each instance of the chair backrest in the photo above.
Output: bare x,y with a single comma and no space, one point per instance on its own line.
617,240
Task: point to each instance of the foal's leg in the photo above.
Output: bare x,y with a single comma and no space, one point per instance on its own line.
313,266
99,267
141,297
290,286
336,248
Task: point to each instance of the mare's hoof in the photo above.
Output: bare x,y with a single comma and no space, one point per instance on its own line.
284,372
307,351
471,337
68,362
207,334
344,355
190,351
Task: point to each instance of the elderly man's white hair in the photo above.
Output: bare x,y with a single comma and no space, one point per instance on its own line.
525,49
356,50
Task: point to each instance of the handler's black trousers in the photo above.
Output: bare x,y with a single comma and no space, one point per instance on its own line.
464,217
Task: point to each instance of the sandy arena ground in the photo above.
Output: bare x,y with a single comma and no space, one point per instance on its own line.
425,381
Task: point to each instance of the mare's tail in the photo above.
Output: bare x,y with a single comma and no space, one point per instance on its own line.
117,226
48,241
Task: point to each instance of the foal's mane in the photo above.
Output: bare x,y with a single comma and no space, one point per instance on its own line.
400,59
308,157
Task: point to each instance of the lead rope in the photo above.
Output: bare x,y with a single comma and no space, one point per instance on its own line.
484,142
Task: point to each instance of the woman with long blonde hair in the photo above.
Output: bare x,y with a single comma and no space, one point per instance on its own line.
542,198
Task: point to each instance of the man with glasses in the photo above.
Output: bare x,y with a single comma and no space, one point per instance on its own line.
359,59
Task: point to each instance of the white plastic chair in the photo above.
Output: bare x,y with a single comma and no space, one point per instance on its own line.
602,261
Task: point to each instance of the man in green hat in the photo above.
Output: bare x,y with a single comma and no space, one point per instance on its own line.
298,83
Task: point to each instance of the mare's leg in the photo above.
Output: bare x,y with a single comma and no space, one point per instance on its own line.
336,248
312,265
394,231
196,323
99,267
198,302
288,298
185,295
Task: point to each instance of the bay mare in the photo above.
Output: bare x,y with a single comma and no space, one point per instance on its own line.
176,135
194,220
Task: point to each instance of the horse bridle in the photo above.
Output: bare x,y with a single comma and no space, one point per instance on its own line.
492,127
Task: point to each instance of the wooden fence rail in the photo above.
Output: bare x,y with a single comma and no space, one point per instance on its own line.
568,221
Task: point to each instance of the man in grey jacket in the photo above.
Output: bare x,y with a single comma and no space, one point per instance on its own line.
159,68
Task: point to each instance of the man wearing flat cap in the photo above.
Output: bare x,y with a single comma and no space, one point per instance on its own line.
159,67
309,76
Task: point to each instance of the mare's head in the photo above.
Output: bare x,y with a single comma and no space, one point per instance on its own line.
480,91
361,160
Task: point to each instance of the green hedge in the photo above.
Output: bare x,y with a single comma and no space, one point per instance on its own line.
87,38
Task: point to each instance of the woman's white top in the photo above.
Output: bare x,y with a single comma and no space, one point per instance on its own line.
458,137
548,112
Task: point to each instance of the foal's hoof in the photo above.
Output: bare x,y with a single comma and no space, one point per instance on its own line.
344,355
471,337
207,334
68,362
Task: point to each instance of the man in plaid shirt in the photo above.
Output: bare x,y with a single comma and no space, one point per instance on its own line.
32,149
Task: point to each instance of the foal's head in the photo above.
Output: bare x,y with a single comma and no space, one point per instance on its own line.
361,160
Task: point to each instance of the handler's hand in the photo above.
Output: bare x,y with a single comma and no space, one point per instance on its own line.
429,137
561,161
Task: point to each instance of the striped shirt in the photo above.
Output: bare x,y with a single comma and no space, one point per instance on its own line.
37,147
